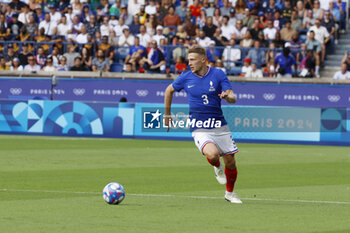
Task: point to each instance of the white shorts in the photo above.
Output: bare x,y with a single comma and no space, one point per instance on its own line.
221,137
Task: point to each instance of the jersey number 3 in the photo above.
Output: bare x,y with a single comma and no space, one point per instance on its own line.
205,99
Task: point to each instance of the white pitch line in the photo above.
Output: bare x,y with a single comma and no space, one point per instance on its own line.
177,196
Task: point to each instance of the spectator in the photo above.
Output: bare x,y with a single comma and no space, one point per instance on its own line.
322,35
155,59
92,26
181,10
40,58
56,55
341,6
16,5
278,22
231,55
23,56
100,62
262,20
118,29
329,23
190,23
78,65
62,6
240,7
125,15
128,68
145,39
220,65
127,39
181,33
82,37
54,15
309,20
225,9
159,34
256,54
86,58
16,65
23,17
180,65
49,67
269,69
86,13
151,8
307,65
209,28
246,66
31,66
284,62
343,74
271,9
201,20
77,6
172,19
32,26
255,30
226,29
239,31
210,9
69,15
217,19
49,26
287,10
107,48
136,52
301,11
346,59
180,51
135,26
247,42
203,40
15,25
151,25
10,55
254,72
296,23
270,32
195,8
278,41
143,16
317,11
63,64
287,32
105,28
63,28
316,47
3,65
212,53
248,19
70,55
232,18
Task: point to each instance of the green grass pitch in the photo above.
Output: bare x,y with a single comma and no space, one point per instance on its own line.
54,185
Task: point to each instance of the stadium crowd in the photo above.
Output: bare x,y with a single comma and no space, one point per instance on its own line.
254,38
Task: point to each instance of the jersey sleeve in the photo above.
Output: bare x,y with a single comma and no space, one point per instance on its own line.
179,83
225,83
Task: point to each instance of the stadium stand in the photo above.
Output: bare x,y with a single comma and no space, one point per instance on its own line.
66,28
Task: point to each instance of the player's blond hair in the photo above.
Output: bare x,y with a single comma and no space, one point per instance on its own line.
197,49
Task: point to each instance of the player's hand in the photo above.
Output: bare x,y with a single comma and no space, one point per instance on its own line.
167,121
223,95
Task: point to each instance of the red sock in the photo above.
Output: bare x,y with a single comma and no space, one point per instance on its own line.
216,164
231,176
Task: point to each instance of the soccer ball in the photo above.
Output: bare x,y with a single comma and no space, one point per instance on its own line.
113,193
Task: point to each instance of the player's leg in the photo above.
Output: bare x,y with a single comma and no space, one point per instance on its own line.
211,151
231,176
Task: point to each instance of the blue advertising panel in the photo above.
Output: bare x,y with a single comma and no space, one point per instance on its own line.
152,91
66,118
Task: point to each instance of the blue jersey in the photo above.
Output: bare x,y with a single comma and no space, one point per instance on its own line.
203,95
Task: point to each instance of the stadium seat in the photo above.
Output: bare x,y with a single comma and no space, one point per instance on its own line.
116,67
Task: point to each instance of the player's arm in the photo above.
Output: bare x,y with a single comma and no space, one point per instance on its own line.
168,98
229,96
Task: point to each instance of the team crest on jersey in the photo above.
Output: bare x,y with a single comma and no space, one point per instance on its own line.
211,88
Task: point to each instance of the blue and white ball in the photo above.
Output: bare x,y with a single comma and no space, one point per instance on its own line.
113,193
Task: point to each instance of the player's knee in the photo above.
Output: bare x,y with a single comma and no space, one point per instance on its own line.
211,152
